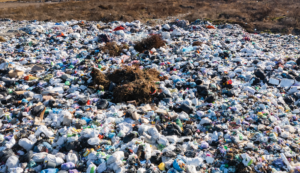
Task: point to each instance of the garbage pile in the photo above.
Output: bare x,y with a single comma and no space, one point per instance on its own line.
119,97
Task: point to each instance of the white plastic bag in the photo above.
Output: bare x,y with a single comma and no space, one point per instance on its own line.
45,130
39,157
91,169
102,167
163,140
26,143
12,162
94,141
10,143
71,157
16,170
119,155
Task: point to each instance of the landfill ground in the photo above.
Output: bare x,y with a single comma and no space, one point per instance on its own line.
129,97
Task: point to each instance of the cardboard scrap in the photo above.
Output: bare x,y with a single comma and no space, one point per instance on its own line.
38,120
15,73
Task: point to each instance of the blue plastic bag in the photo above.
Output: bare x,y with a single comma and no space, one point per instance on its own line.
176,164
86,119
50,170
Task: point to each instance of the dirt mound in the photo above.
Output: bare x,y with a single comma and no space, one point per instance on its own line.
127,74
99,78
154,41
132,83
197,43
139,90
113,48
2,39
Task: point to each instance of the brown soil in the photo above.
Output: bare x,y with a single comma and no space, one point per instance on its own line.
139,90
132,83
99,78
2,39
197,43
130,74
114,49
154,41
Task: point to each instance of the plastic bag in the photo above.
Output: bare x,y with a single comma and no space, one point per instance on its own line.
91,168
12,162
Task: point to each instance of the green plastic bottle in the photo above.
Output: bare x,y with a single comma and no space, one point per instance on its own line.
9,90
47,110
241,136
178,122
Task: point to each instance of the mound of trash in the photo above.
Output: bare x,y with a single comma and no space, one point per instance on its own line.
117,97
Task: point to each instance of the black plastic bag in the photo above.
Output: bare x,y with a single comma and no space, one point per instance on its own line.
198,81
224,83
202,90
74,145
186,108
156,159
3,91
37,110
210,99
111,86
129,137
190,153
260,74
255,81
170,154
26,157
288,100
298,61
82,101
105,38
102,104
162,96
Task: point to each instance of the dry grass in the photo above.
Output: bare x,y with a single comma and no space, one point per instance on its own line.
7,0
276,15
10,4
